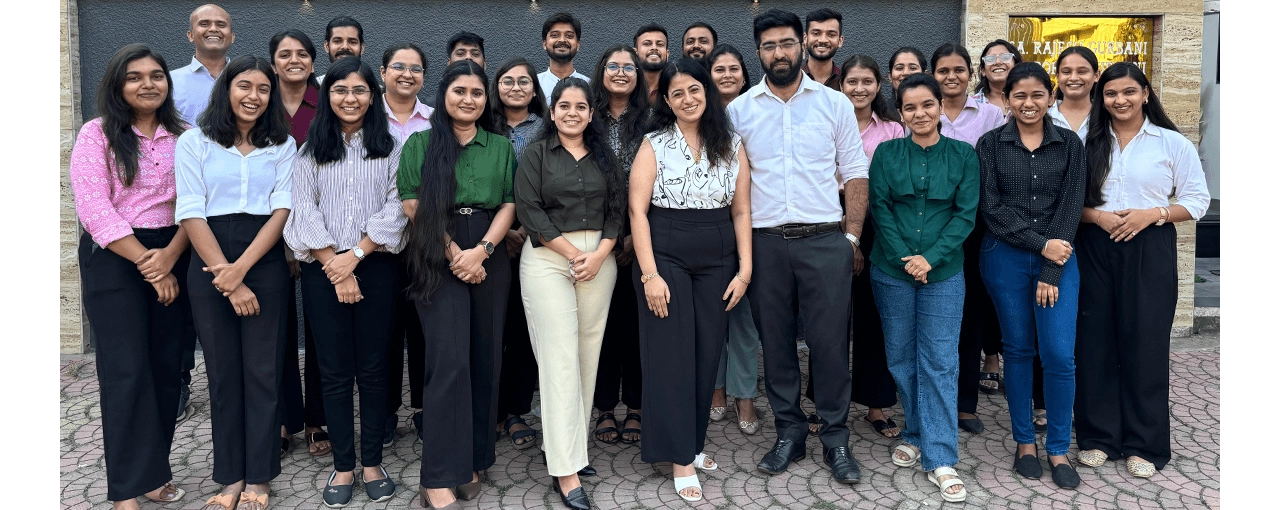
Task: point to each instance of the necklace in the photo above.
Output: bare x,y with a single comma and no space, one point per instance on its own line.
697,158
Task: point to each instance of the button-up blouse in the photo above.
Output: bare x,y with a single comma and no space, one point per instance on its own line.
107,208
1157,164
975,119
525,132
301,119
556,193
214,180
192,84
681,182
1058,119
419,120
484,170
925,202
1029,197
877,132
336,204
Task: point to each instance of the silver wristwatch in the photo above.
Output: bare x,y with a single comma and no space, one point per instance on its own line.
853,239
358,253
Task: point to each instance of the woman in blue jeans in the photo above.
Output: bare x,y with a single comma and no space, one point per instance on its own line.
1033,179
924,199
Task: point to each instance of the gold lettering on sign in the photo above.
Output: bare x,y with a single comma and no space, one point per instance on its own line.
1041,39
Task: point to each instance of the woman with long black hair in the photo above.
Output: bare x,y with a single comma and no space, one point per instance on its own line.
455,181
234,183
1128,271
133,265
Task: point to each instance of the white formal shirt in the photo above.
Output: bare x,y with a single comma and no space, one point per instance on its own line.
191,87
683,183
795,148
1157,164
548,82
1059,120
214,180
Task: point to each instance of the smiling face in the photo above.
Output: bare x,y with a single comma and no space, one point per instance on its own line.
292,62
463,51
211,30
726,73
861,86
904,65
780,52
250,93
464,99
343,42
698,43
823,39
620,83
996,73
145,86
1075,77
571,113
687,98
561,43
652,48
1123,98
518,91
920,111
1029,100
350,98
404,83
953,74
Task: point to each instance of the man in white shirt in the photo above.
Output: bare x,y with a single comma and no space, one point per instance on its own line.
802,142
560,35
211,34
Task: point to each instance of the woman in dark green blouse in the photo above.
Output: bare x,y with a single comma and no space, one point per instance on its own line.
455,181
924,199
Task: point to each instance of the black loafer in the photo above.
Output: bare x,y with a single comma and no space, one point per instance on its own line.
587,471
1065,476
380,490
843,468
576,499
1029,466
336,496
971,425
784,452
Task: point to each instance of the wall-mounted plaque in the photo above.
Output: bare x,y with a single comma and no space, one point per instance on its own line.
1040,39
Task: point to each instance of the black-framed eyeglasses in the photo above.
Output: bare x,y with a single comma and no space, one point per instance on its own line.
399,66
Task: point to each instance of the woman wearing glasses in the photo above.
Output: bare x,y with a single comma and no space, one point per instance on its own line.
993,68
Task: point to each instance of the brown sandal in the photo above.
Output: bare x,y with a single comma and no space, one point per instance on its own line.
168,493
226,501
316,437
252,501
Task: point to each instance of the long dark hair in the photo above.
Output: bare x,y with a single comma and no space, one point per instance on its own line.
1087,55
324,137
439,188
879,105
713,128
302,39
497,109
596,139
983,84
633,121
1098,142
118,116
218,120
728,49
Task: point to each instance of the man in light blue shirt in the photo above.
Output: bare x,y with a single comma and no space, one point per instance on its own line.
211,34
560,38
803,145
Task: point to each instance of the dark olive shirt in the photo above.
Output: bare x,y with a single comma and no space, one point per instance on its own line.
556,193
485,169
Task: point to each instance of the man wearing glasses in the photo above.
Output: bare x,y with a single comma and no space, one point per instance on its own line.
560,39
798,134
464,45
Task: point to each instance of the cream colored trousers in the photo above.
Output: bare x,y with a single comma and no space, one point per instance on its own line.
566,327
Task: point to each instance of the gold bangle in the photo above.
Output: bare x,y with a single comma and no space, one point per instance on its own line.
741,279
644,278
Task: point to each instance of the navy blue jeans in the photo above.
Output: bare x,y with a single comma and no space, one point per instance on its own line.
921,334
1011,275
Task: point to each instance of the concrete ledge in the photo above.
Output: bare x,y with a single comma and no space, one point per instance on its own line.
1206,319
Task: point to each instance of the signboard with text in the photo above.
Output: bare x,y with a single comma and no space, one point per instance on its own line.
1041,39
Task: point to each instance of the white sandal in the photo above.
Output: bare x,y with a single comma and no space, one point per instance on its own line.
701,461
947,484
912,453
685,482
1140,468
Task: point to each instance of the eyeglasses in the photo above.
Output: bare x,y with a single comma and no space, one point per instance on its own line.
615,68
343,91
399,66
787,45
1002,57
508,83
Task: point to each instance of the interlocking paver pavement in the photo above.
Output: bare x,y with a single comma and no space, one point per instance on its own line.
519,478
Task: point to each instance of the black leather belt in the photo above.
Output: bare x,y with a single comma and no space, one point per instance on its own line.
798,230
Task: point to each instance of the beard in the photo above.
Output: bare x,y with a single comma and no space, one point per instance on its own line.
652,67
561,59
780,78
341,53
820,58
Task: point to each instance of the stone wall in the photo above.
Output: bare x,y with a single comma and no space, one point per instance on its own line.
72,335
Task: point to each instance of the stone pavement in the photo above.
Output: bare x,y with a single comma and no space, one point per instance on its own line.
519,478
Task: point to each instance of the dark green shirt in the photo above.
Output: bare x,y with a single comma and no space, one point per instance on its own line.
924,202
556,193
485,169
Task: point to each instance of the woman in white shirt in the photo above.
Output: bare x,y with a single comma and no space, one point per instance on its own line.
233,180
1129,272
1077,72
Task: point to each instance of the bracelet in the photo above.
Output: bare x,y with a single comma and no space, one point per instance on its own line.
644,278
741,279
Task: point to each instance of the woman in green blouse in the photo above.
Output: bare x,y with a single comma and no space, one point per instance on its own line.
455,181
924,199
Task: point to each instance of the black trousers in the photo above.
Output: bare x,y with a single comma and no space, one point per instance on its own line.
351,350
406,333
813,273
297,411
138,353
519,366
978,327
463,359
242,354
1128,293
696,255
619,366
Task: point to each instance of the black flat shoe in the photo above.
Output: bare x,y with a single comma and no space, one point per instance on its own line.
843,468
587,471
380,490
417,423
971,425
336,496
784,452
1028,466
576,499
1065,476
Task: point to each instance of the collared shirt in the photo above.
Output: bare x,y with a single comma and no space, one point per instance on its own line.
1157,164
338,203
484,170
548,81
685,182
557,193
419,120
1058,119
301,119
1030,197
524,132
795,148
107,208
833,81
214,180
879,131
981,98
191,87
925,202
975,119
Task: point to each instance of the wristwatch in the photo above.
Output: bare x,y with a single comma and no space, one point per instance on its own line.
853,239
644,278
488,246
358,253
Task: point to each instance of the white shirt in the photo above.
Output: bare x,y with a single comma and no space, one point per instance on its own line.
795,148
548,82
1157,164
213,180
191,87
1061,120
681,183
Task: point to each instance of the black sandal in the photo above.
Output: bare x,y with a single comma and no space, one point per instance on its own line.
519,434
286,443
630,417
883,425
600,433
990,376
814,419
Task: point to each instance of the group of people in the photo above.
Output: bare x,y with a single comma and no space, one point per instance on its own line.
596,237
